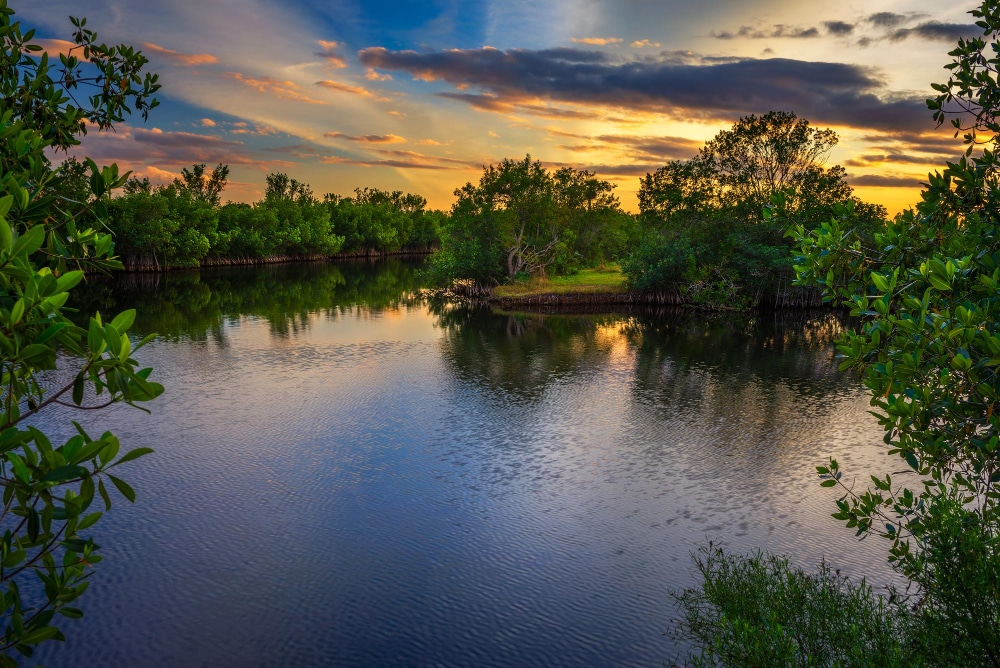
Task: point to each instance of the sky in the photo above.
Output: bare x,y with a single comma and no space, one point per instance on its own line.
419,95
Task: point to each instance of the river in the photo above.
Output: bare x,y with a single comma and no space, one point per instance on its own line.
348,475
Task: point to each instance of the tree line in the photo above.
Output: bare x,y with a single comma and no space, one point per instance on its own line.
184,223
702,235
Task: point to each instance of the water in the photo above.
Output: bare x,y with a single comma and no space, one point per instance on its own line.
347,476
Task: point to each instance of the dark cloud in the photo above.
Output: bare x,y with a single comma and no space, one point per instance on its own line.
838,28
870,159
830,93
638,148
621,170
941,143
487,102
935,30
888,20
776,31
885,181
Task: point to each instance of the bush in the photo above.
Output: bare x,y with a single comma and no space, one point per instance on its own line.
757,610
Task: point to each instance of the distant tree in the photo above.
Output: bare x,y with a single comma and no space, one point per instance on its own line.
203,187
281,187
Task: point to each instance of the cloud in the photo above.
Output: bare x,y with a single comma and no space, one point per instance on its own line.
156,175
941,143
284,90
888,20
243,128
344,88
596,41
839,28
638,149
884,181
776,31
140,148
187,60
830,93
404,160
208,123
331,54
493,134
368,139
57,47
372,75
870,159
935,30
644,44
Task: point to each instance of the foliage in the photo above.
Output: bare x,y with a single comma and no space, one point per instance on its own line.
181,224
757,610
706,237
377,221
173,225
49,489
201,186
927,292
521,220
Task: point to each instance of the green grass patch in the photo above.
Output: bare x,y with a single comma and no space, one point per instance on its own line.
603,279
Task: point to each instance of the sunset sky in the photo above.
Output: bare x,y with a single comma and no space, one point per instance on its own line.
418,96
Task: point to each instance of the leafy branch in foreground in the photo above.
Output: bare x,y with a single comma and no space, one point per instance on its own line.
49,490
927,295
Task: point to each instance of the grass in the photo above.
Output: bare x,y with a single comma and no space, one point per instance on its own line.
604,279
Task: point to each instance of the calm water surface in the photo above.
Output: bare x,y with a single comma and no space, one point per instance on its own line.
346,476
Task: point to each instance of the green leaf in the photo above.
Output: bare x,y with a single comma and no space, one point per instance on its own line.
103,491
64,473
133,454
123,487
124,320
6,235
20,468
51,331
69,280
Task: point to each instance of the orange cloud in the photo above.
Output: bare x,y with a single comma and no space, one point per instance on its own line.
372,75
242,128
643,44
344,88
596,41
208,122
368,139
329,53
285,90
56,47
404,160
187,60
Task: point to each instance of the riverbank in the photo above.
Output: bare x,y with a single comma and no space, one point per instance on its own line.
150,264
606,286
